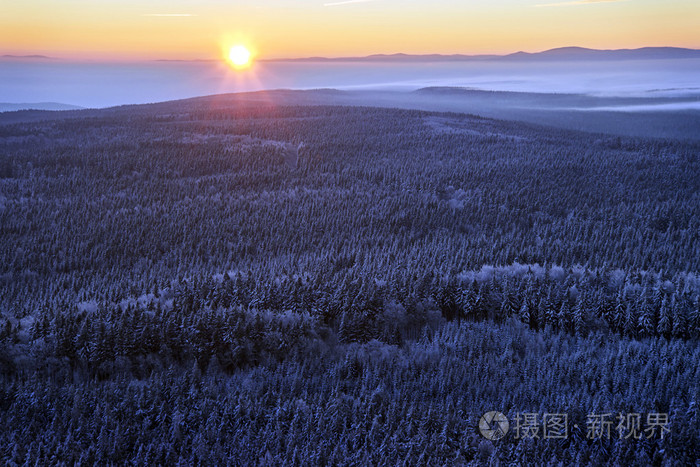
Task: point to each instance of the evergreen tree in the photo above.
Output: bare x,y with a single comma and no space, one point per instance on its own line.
578,318
631,321
551,317
646,324
564,318
524,313
665,320
680,318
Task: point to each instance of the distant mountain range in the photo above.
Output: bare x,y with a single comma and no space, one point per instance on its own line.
8,107
559,54
645,53
28,57
563,53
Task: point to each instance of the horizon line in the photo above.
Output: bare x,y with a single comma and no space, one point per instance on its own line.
457,55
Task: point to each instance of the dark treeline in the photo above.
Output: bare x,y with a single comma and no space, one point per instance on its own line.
217,251
242,321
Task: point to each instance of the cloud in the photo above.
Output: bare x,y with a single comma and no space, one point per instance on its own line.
346,2
578,2
170,15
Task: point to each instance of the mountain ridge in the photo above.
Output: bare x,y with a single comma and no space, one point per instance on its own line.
560,53
50,106
555,54
26,57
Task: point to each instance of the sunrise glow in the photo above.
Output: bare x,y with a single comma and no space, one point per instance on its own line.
184,30
239,56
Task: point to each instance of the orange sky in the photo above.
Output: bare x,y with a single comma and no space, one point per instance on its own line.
111,29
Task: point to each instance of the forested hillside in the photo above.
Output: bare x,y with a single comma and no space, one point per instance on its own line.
214,281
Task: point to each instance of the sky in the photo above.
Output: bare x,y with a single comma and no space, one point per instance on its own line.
205,29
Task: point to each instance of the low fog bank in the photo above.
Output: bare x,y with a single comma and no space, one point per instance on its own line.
665,117
656,117
97,85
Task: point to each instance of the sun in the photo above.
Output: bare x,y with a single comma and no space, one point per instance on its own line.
239,56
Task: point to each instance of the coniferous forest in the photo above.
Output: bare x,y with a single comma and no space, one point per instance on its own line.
221,281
